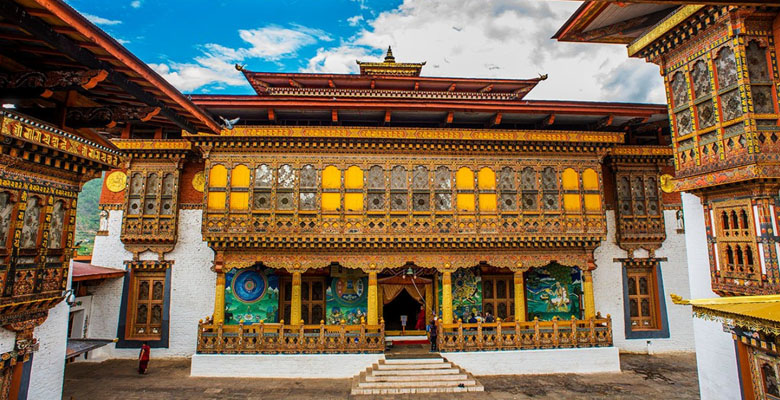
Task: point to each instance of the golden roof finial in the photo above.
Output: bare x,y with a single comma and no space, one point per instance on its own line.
389,57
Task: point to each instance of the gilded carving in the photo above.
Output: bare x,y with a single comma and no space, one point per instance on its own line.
116,181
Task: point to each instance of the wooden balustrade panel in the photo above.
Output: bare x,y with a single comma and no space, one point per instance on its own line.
554,334
287,339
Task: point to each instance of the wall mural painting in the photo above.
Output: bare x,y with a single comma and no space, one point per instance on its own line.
466,293
553,291
347,296
251,295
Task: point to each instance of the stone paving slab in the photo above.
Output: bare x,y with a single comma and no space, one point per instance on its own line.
646,377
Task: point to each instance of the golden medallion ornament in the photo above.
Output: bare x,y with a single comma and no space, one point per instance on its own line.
199,181
666,183
116,181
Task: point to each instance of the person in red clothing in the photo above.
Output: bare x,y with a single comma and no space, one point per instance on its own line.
420,324
143,358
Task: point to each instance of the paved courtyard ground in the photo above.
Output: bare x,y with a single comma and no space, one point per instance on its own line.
645,377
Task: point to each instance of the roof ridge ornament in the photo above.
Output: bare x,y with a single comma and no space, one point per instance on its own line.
389,67
389,57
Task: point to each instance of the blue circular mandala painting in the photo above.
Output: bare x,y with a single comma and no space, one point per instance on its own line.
249,286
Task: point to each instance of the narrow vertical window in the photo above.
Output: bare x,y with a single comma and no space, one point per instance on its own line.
307,192
353,189
264,178
508,189
464,183
590,185
150,195
486,182
217,186
135,201
375,183
168,194
331,185
421,189
530,189
550,194
399,183
442,182
285,185
571,191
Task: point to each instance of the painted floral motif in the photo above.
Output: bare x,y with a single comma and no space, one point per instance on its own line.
701,79
763,100
731,103
684,122
757,63
706,112
726,65
679,90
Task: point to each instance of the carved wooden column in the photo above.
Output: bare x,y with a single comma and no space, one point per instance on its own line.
219,294
219,299
446,295
295,304
373,299
519,288
429,302
587,290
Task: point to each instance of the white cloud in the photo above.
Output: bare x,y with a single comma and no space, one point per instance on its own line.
355,21
502,39
122,41
216,65
135,4
100,20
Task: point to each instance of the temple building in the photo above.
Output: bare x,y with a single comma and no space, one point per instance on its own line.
329,216
720,68
332,208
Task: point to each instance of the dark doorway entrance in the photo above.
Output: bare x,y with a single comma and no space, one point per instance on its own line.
403,304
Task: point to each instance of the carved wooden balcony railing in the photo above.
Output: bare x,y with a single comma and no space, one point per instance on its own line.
555,334
264,338
246,225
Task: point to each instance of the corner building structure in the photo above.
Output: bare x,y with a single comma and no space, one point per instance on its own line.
720,68
337,206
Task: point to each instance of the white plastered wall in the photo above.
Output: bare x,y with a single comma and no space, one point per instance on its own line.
192,288
608,288
715,353
48,364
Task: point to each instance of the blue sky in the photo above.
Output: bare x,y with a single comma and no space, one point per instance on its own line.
194,44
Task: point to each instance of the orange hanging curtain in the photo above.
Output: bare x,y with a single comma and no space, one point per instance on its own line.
391,291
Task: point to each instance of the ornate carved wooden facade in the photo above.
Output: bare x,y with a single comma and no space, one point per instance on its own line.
43,169
723,105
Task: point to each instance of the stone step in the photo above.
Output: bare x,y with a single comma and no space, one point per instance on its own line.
417,383
441,365
410,375
416,378
422,389
413,360
414,372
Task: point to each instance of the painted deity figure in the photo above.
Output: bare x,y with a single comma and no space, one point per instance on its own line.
5,215
557,298
31,222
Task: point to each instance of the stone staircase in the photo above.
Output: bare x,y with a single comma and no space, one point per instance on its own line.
429,373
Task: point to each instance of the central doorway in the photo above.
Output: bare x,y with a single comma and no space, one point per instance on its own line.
402,304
